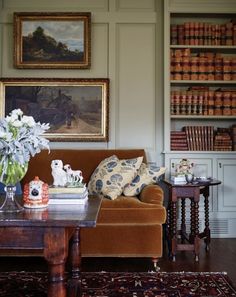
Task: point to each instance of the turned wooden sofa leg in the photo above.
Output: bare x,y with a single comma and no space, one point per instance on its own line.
156,267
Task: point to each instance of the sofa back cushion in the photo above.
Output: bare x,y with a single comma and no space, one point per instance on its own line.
85,160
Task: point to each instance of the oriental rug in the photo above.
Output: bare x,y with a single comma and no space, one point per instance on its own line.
124,284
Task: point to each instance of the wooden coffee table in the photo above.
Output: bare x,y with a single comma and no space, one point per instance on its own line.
56,232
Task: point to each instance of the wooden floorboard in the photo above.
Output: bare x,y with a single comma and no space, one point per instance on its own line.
221,257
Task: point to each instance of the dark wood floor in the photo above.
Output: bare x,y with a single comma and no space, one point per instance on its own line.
221,257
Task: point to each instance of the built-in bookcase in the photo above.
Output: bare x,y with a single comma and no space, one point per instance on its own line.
202,78
200,92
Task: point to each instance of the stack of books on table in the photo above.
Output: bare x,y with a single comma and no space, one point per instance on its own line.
68,195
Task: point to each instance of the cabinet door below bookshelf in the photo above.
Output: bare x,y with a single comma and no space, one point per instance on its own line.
226,173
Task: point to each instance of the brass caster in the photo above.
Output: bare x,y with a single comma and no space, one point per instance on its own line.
156,267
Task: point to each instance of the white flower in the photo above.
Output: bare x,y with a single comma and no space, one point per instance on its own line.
3,134
28,120
20,138
17,123
17,112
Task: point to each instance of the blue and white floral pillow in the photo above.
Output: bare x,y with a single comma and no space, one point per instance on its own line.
146,175
112,175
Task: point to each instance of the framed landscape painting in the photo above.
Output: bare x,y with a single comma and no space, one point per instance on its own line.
76,109
52,40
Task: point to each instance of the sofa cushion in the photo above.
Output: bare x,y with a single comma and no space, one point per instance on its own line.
146,175
130,210
111,176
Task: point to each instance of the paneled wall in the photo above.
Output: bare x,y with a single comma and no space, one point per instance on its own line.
126,48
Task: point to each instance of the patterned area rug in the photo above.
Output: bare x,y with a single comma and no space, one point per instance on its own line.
124,284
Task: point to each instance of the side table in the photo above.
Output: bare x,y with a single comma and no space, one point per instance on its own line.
192,191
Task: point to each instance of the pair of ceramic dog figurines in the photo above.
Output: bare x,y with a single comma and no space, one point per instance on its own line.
64,175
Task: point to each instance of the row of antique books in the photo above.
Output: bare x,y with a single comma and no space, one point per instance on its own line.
202,138
203,101
203,33
186,65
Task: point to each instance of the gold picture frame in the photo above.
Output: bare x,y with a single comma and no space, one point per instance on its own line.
52,40
76,109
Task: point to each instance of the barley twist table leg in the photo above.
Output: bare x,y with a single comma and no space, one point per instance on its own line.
183,222
174,229
192,221
207,231
196,237
169,229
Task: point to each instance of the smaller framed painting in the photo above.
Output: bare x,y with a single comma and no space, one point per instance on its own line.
52,40
76,109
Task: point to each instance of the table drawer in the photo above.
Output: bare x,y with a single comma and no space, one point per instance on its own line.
21,238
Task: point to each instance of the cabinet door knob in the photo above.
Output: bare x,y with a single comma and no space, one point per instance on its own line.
173,165
220,165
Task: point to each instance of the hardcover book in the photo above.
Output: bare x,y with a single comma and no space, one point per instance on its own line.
66,190
68,201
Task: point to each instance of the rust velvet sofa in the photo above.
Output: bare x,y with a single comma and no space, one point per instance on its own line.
126,226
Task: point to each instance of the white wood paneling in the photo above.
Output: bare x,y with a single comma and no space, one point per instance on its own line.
135,5
1,49
136,84
207,6
7,49
99,51
96,5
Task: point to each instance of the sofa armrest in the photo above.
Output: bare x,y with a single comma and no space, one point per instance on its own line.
152,194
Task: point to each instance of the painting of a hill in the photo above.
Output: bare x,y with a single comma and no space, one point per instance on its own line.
52,40
38,46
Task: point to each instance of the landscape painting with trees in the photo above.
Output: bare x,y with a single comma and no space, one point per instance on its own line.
75,109
55,40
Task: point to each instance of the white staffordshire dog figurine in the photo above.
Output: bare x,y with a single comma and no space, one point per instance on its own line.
59,175
73,175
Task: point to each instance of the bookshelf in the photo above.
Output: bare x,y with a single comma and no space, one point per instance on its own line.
200,93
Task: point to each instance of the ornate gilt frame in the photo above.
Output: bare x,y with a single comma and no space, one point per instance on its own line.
77,109
52,40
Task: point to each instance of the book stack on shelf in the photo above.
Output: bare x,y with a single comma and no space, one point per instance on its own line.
186,65
178,141
222,140
202,33
68,195
203,101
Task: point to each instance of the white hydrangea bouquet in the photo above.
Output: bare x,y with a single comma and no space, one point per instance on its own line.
20,138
